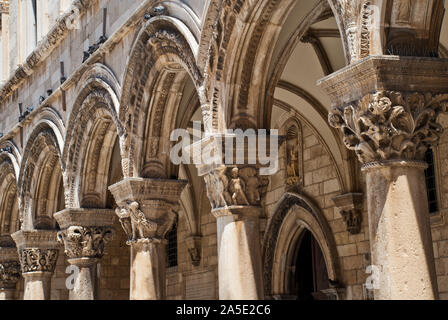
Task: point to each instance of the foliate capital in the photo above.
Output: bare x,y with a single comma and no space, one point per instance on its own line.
38,260
390,125
85,242
9,274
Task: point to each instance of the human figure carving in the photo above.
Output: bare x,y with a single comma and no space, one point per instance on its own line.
139,222
125,221
237,187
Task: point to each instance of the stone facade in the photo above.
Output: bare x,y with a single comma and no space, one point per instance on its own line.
92,205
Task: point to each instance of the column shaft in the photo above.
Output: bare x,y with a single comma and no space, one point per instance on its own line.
400,231
37,286
239,258
7,294
147,270
147,212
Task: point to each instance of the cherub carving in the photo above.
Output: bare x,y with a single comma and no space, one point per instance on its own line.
252,185
236,188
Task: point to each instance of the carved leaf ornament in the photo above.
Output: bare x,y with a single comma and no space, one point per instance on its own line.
390,125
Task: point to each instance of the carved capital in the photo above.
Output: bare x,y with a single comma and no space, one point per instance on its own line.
235,186
9,274
350,206
390,125
150,222
85,242
38,260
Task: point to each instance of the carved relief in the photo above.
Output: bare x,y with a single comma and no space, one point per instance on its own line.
138,227
350,208
390,125
85,242
294,163
9,274
235,187
38,260
194,249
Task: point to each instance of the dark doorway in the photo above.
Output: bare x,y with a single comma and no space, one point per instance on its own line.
310,270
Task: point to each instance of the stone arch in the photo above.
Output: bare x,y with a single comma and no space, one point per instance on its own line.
245,37
292,215
49,116
398,27
40,178
161,60
9,211
12,154
92,131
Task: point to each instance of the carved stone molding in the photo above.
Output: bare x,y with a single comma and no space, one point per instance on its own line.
389,125
350,206
141,189
85,242
85,217
38,260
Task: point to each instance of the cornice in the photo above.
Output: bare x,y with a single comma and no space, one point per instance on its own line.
35,239
85,218
376,73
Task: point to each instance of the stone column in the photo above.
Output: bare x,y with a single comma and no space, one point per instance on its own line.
387,108
38,253
84,235
9,272
235,196
147,211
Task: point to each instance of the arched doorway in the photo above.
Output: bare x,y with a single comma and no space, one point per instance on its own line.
309,274
300,256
